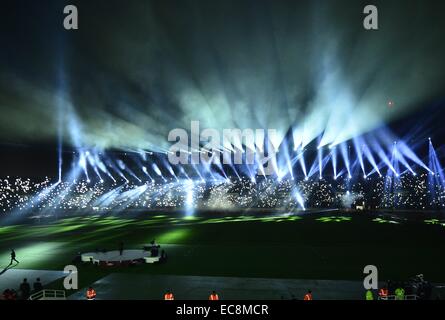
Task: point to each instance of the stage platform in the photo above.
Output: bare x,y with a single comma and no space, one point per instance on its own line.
112,257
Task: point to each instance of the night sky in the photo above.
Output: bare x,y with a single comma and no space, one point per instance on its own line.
137,69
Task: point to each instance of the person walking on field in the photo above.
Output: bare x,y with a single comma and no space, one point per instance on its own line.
308,296
91,293
121,248
169,295
369,295
13,257
214,296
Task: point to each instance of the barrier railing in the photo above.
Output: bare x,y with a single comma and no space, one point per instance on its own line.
48,294
406,297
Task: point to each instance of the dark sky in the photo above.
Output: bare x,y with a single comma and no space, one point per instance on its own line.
137,69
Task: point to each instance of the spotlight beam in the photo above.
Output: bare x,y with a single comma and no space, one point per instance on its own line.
358,146
344,152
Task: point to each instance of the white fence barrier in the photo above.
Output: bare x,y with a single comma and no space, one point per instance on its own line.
394,297
48,295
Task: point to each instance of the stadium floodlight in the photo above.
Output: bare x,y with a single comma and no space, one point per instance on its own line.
156,169
435,165
145,171
406,151
399,156
288,162
189,198
302,164
381,153
334,162
344,152
132,174
359,150
368,154
298,197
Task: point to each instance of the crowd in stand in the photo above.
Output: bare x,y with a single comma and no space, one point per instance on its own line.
405,192
24,291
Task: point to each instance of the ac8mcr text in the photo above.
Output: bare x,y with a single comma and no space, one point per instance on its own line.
241,309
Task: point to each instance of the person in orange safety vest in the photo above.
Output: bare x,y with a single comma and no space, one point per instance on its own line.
91,293
308,295
383,293
214,296
169,295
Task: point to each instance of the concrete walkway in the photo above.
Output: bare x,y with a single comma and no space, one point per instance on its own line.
120,286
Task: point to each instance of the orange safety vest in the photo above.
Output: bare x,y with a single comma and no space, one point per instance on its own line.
383,292
91,294
214,297
308,296
169,296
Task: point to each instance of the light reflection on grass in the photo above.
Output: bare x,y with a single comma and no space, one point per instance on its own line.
334,219
173,236
380,220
